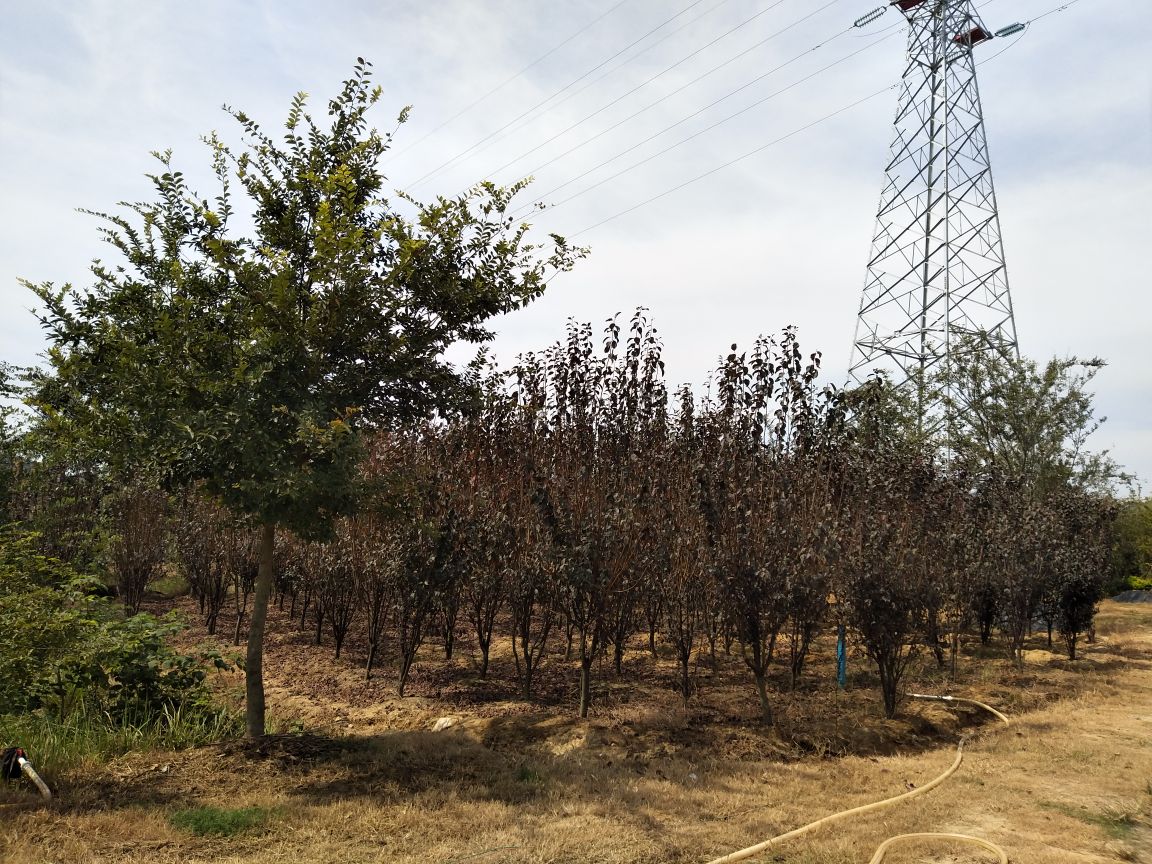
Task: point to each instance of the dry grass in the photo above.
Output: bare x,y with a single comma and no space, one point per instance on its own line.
642,781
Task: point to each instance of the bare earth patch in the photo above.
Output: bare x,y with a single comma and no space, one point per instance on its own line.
642,780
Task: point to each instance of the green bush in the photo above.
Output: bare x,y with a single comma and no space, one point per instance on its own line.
66,653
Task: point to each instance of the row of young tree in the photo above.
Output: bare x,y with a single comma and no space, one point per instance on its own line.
277,346
580,503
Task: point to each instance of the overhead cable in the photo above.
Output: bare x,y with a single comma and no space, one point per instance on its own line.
779,140
682,120
516,126
732,162
1053,11
509,80
1018,30
538,203
571,83
699,132
666,96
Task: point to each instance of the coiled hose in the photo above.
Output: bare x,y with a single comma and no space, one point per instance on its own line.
878,857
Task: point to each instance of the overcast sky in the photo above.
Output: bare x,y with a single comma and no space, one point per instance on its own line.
88,89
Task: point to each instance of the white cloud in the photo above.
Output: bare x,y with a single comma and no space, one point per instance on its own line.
88,88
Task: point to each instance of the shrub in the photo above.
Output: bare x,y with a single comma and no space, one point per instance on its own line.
64,651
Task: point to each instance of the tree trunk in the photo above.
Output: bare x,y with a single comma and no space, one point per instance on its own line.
585,684
685,682
371,659
304,606
254,661
762,692
888,667
485,649
527,678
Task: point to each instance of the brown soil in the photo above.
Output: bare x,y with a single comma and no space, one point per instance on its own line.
643,780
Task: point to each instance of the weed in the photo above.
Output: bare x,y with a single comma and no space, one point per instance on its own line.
218,821
1119,818
57,746
1116,819
170,585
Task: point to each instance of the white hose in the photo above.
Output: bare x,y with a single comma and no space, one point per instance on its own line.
1001,855
751,851
28,771
836,817
958,699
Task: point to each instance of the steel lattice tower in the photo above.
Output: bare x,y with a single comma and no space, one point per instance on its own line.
936,272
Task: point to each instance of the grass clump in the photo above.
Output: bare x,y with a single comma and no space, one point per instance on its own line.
58,745
219,821
1120,818
1117,820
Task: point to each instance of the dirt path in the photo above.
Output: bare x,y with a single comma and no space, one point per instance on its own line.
1069,782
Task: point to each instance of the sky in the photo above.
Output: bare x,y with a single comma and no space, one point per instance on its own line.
501,89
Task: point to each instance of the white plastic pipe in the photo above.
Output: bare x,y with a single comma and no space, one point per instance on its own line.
752,851
28,771
958,699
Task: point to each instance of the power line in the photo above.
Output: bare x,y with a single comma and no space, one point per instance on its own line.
509,80
574,81
782,138
1011,44
699,132
667,96
1053,11
679,122
1027,25
681,88
706,74
527,207
517,126
732,162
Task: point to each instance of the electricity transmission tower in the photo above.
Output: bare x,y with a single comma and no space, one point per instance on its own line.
936,273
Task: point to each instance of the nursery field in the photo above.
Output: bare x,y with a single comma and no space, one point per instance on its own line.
453,772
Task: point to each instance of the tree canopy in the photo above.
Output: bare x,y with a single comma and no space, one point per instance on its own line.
243,341
1023,419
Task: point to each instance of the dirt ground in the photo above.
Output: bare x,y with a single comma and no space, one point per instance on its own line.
358,775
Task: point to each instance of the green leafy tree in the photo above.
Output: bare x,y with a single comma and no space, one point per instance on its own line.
250,362
1015,417
1131,564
